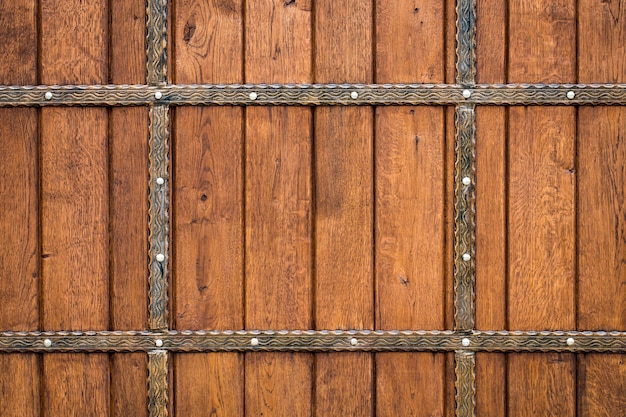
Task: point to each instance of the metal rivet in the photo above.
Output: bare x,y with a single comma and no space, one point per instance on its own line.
158,343
465,342
47,343
253,96
467,181
160,181
354,342
571,95
467,257
158,95
354,95
467,93
254,341
48,95
160,257
570,341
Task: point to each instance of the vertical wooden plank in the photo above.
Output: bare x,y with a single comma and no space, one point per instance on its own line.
19,203
278,207
128,207
208,206
491,199
344,206
602,207
74,206
542,206
410,207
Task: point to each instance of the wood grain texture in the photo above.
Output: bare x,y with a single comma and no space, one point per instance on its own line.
208,206
602,207
128,189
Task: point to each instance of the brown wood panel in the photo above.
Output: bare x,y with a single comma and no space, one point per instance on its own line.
19,230
74,179
602,207
541,214
128,189
208,205
344,207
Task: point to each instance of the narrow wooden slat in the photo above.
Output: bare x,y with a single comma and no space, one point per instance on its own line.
491,239
344,207
409,159
208,206
602,207
541,211
278,207
128,208
74,206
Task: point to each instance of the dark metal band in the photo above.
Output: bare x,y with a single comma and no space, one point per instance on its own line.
465,42
157,383
464,217
313,341
313,95
156,42
465,383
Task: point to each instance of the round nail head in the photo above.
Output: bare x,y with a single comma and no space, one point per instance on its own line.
467,257
48,95
253,96
158,95
158,343
354,341
465,342
254,341
467,93
571,95
354,95
160,257
570,341
47,343
160,181
467,181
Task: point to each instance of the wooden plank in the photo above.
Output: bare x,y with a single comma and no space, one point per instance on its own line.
541,213
279,256
128,208
344,207
208,206
19,230
491,200
602,210
74,206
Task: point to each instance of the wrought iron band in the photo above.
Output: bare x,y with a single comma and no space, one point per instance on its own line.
314,95
465,42
157,383
465,383
158,217
156,42
313,341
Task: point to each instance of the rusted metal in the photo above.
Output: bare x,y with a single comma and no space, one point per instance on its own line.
313,95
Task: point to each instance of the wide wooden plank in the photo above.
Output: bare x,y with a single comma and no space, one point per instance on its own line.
128,208
602,207
541,213
344,287
74,183
208,206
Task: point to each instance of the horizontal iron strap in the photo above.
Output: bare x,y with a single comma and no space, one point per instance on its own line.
312,341
314,95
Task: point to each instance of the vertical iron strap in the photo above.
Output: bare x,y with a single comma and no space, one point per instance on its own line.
156,46
157,385
465,384
465,42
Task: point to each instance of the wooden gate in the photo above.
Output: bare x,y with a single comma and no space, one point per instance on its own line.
313,208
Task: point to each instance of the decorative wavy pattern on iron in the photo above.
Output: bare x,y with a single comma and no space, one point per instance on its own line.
313,341
465,384
314,95
156,41
158,216
465,41
157,383
464,217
